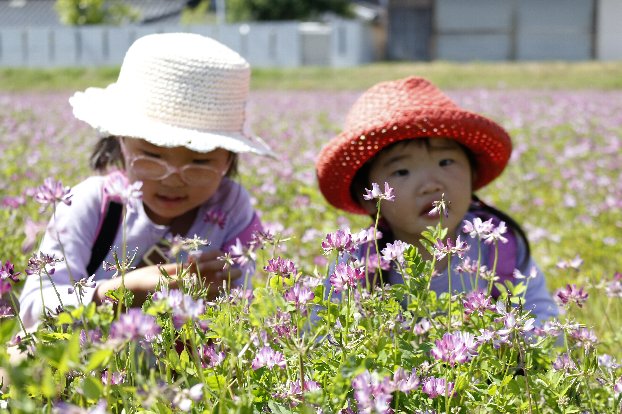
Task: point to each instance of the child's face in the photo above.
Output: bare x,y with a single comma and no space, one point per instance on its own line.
420,174
172,183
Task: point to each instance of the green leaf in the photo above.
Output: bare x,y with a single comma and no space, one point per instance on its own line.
99,358
92,388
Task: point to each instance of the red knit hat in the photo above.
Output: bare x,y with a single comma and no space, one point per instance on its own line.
405,109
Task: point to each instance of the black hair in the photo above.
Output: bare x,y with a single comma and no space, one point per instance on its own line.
361,181
107,153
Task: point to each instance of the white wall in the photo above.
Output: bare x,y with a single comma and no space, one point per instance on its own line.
609,34
270,44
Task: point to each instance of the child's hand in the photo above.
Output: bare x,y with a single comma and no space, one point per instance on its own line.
211,270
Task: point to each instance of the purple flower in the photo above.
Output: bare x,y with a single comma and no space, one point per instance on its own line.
134,325
375,193
571,264
242,255
7,271
571,294
12,202
90,337
366,236
617,387
6,311
451,349
440,207
405,382
81,286
564,363
344,276
267,357
608,362
281,267
372,395
119,189
210,357
584,337
51,192
216,217
497,234
299,295
458,248
184,308
478,228
533,272
477,302
395,251
614,289
436,387
42,264
116,378
340,241
422,326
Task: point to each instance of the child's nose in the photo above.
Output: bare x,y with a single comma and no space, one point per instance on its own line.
173,179
430,185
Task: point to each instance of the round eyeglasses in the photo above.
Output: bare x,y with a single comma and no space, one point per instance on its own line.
149,168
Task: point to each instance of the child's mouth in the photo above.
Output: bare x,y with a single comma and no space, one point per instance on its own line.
169,199
425,211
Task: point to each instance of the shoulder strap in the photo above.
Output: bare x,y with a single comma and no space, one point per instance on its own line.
105,237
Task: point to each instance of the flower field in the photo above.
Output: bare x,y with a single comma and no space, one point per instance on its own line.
286,347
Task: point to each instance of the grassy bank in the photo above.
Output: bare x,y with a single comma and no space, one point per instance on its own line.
541,75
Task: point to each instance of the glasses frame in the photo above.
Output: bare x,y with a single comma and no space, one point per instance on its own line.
133,158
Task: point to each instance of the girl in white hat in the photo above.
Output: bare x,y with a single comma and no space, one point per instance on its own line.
173,121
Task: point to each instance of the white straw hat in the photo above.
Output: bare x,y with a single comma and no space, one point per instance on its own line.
175,89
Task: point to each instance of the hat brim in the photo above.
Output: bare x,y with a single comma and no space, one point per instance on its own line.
106,111
338,162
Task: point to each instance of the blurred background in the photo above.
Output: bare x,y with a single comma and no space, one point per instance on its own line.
329,33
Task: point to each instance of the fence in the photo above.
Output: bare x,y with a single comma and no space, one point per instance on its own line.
273,44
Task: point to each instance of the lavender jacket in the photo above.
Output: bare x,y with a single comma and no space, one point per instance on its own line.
77,226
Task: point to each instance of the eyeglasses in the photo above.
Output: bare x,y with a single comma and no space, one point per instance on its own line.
149,168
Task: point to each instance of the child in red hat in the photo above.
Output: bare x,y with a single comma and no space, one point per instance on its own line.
410,135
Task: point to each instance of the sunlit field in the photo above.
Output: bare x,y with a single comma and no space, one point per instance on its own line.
563,184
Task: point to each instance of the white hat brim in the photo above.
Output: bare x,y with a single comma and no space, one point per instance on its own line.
107,112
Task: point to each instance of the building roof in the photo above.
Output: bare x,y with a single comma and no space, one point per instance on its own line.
22,13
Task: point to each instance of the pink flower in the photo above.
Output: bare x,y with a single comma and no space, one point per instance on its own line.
52,192
119,189
564,363
395,251
571,294
339,241
281,267
375,193
436,387
477,302
451,349
267,357
344,276
299,295
372,394
478,228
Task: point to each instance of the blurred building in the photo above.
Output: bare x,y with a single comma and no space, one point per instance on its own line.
410,30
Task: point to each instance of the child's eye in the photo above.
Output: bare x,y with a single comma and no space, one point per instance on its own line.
202,162
400,173
445,162
151,154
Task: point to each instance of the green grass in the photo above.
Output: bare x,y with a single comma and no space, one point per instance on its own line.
529,75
